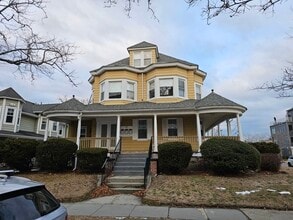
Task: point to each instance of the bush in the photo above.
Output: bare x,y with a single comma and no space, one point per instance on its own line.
226,156
91,160
264,147
55,154
17,153
270,162
174,156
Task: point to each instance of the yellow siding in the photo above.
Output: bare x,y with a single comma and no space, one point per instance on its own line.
129,145
131,58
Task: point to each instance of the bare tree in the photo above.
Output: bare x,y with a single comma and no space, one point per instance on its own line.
22,47
212,8
283,86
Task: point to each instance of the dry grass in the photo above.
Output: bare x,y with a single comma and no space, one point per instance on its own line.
200,190
67,187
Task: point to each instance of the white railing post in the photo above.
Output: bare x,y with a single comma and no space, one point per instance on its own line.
46,130
198,128
118,129
155,133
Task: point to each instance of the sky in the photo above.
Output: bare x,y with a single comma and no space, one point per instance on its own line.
237,53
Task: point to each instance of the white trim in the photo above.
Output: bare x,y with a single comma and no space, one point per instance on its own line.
17,123
179,125
135,129
2,113
198,130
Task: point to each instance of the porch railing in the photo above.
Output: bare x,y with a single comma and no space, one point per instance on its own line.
226,137
147,163
93,142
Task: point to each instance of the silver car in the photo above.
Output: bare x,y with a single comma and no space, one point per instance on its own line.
24,199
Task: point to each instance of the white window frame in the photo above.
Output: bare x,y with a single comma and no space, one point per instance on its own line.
13,116
83,131
120,89
45,122
195,91
54,126
149,129
131,91
142,58
179,124
124,87
176,93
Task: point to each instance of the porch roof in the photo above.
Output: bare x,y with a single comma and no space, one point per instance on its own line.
213,100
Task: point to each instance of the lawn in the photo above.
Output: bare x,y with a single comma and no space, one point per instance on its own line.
207,190
197,189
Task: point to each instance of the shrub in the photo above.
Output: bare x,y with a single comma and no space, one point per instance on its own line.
226,156
264,147
174,156
17,153
270,162
55,154
91,159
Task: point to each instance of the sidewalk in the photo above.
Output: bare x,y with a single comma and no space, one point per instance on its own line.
131,206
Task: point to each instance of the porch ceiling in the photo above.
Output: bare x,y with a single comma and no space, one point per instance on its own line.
209,120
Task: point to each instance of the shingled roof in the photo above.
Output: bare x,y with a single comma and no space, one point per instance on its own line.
10,93
142,44
72,105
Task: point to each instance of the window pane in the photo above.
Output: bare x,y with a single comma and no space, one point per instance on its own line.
198,91
9,116
54,126
115,90
102,91
142,129
43,125
152,89
172,127
137,62
130,90
166,87
147,61
181,86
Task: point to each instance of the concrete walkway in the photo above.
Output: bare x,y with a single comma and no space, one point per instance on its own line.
131,206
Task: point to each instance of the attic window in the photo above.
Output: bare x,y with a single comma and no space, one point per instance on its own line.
142,58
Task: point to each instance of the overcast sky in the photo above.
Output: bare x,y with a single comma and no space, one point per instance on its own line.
237,53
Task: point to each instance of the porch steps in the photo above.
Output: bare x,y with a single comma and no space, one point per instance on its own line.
128,173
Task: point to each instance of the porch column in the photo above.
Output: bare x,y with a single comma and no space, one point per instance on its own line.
78,131
46,130
239,128
198,130
218,127
155,134
118,128
228,127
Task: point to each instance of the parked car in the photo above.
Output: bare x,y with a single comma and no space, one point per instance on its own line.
290,161
22,198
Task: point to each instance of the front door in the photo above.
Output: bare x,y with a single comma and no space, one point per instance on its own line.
108,135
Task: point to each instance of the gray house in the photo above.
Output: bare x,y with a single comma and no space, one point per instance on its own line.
282,133
20,118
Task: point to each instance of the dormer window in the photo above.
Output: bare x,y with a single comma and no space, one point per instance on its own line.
142,58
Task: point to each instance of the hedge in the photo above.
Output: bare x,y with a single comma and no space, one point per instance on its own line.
17,153
264,147
56,154
270,162
226,156
90,160
173,157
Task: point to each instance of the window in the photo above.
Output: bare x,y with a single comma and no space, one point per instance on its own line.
54,127
43,124
130,90
118,89
102,91
142,58
181,87
172,127
290,127
152,89
142,129
83,131
115,89
9,115
166,87
197,91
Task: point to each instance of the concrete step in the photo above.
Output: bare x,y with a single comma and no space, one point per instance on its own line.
114,185
128,179
133,156
131,160
127,190
129,168
130,163
127,173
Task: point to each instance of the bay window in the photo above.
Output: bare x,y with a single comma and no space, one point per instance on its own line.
118,89
10,115
181,87
197,91
166,87
152,89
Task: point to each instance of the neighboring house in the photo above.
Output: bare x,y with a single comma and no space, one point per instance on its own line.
282,133
143,100
20,118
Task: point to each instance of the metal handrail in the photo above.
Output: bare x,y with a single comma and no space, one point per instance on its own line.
116,153
147,163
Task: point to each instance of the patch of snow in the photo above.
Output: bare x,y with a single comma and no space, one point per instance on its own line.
247,192
220,188
271,190
285,193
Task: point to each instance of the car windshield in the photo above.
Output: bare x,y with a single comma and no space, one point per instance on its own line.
27,204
